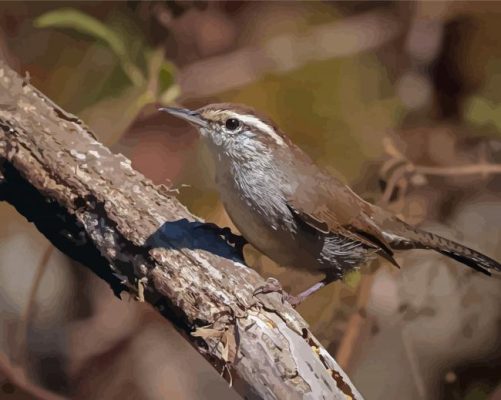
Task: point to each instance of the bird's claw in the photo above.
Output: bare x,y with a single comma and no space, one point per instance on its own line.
272,285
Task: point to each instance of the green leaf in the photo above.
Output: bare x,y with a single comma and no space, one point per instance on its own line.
352,278
161,76
170,95
83,23
165,77
479,110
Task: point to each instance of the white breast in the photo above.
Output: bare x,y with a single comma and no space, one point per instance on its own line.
254,202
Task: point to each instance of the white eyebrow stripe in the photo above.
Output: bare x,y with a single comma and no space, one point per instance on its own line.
258,124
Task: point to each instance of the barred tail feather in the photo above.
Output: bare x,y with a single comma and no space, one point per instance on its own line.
402,236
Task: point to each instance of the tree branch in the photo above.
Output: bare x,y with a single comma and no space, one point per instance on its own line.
95,208
398,171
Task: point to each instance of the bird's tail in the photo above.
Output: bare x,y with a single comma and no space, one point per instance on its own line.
402,236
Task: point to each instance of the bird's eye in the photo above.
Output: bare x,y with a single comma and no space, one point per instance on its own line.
232,124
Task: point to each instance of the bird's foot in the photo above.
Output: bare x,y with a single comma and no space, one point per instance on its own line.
237,241
272,285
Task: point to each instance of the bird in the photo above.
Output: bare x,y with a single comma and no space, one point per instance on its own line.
297,213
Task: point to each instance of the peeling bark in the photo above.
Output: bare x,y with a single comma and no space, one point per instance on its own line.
92,205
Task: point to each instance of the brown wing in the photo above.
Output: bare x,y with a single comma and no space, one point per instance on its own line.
329,206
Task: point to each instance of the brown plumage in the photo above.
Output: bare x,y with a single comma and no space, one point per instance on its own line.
330,206
296,213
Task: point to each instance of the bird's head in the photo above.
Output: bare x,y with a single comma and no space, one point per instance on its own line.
234,129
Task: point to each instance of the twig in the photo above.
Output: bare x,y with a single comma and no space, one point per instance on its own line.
356,324
396,180
460,170
18,378
399,170
28,311
413,362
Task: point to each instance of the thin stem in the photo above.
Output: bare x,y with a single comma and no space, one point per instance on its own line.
414,366
470,169
392,183
403,168
30,305
18,378
356,324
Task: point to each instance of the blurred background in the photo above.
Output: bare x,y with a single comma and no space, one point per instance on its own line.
403,99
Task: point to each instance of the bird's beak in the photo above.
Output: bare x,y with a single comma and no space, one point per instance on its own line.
191,116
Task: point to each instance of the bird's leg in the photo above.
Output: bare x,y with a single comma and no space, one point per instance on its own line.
236,240
298,299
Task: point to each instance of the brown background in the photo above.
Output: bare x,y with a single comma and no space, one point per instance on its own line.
340,79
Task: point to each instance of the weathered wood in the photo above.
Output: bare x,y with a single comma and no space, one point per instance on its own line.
94,207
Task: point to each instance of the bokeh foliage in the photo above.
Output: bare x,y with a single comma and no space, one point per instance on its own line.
114,63
139,76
